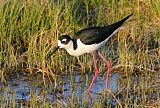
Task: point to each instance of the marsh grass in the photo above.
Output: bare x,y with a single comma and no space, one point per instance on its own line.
29,29
139,90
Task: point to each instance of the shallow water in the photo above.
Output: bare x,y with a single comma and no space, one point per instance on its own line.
24,89
72,85
75,85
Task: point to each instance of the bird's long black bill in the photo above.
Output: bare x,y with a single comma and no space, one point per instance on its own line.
53,50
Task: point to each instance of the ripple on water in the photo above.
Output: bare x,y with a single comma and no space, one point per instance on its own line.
22,86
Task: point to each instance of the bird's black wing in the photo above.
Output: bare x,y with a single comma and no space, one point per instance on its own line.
98,34
90,35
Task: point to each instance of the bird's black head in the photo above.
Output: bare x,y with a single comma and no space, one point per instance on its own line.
64,41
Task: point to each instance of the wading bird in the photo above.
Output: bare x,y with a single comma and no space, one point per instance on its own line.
89,40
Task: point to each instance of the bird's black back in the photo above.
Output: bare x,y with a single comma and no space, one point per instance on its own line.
98,34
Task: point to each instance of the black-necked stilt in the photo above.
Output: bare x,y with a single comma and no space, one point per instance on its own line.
87,41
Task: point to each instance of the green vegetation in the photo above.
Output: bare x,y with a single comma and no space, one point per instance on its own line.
29,28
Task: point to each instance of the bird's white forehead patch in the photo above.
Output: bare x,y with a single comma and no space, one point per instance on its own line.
64,39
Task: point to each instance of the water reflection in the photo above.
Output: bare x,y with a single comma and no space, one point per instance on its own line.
73,85
80,85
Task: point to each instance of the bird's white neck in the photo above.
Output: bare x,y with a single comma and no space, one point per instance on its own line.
80,50
70,48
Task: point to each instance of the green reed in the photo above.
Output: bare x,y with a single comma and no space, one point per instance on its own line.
136,91
29,29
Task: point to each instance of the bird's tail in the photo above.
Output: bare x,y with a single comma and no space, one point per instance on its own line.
119,23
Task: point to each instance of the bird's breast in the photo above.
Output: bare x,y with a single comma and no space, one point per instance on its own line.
82,48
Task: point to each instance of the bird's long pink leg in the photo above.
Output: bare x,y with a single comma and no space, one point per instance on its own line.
109,68
96,72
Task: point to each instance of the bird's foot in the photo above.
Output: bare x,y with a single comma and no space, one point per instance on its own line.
87,92
108,90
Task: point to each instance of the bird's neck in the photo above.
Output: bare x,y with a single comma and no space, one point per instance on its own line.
70,49
74,44
74,50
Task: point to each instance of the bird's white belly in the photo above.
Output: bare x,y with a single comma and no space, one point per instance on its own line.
82,48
